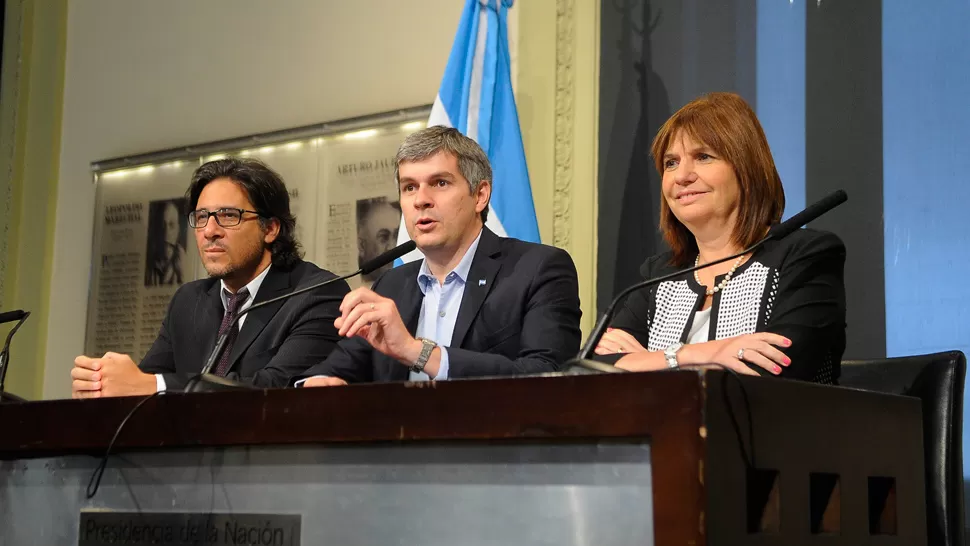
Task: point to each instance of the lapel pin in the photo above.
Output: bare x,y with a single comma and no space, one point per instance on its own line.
481,282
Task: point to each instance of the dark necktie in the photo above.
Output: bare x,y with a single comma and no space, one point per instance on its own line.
235,301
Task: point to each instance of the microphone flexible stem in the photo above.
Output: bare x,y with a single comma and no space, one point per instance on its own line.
600,327
5,352
221,342
369,266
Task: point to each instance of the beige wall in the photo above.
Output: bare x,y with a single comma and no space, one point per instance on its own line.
147,75
558,71
33,72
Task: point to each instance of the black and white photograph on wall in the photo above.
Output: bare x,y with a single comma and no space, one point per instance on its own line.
378,223
165,256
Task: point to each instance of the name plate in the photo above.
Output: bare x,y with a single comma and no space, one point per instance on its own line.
187,529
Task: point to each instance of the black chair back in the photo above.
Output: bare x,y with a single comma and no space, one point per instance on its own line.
936,379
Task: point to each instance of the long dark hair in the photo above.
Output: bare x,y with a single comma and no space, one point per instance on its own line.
266,191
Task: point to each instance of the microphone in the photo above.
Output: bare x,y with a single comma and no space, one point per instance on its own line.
810,213
376,263
778,231
9,316
367,267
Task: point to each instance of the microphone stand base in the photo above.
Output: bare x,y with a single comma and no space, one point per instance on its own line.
10,397
208,382
585,366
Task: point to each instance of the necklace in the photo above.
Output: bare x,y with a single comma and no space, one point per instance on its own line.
727,278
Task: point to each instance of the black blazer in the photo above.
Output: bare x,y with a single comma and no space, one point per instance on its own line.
275,343
523,319
793,287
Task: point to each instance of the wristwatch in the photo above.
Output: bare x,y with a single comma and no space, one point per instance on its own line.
670,353
426,347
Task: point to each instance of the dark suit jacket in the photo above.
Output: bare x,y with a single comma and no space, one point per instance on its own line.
523,319
275,343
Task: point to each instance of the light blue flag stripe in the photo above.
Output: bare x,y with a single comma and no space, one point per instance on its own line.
512,193
489,79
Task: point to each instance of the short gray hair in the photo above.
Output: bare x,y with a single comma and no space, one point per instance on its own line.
472,162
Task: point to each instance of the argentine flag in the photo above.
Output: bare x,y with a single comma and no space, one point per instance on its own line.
475,97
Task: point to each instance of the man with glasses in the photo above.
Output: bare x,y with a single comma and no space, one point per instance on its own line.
240,214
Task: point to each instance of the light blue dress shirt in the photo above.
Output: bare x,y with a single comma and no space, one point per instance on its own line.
439,310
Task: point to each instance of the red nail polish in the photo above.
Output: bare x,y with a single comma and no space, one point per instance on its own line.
777,369
787,361
787,343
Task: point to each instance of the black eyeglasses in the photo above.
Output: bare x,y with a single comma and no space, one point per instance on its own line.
227,217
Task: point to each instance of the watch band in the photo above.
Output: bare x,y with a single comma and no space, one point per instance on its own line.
427,346
670,354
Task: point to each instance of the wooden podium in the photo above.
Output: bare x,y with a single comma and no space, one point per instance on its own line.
731,460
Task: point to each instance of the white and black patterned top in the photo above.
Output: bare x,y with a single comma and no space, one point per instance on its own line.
793,287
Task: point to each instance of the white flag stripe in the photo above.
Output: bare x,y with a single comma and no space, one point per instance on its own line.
475,88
